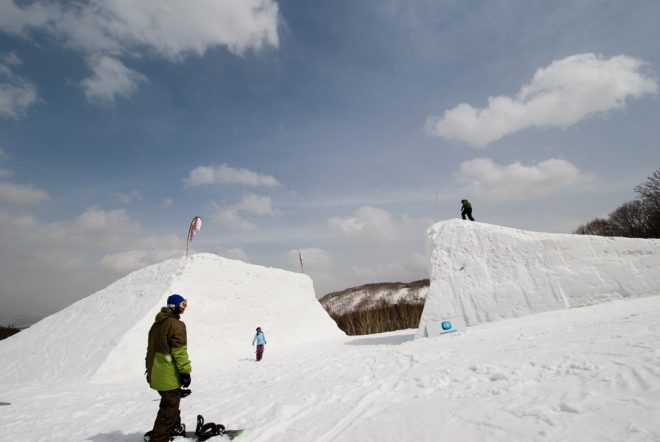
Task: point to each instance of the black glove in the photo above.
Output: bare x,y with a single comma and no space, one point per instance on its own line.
146,374
185,379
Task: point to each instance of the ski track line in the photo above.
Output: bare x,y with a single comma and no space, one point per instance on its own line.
346,421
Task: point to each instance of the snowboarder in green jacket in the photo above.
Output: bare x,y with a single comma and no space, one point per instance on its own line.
466,209
168,366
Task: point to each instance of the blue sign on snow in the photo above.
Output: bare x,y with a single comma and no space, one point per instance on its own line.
446,325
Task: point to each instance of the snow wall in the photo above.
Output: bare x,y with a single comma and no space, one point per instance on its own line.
104,336
486,273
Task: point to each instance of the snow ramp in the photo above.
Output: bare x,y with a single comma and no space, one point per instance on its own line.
485,272
104,336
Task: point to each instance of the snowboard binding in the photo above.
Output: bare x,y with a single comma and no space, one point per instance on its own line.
205,431
178,430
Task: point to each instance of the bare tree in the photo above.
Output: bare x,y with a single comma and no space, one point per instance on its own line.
649,195
650,190
628,220
598,227
639,218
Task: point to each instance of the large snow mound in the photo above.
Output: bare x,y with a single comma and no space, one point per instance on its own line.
486,273
104,336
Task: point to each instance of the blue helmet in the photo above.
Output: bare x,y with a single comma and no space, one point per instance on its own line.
173,301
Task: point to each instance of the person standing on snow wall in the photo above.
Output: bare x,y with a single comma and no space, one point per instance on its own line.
260,339
466,209
168,366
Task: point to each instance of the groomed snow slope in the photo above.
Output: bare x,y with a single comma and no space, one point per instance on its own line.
104,336
589,374
486,273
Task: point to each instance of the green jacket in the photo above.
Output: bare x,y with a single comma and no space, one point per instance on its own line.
466,204
167,353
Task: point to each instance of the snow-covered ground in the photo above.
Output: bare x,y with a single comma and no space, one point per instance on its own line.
587,373
584,374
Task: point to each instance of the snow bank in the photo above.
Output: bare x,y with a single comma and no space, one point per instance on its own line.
486,273
104,336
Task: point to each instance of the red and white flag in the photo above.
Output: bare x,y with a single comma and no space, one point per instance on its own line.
195,225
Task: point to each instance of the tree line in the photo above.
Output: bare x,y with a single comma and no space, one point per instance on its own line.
639,218
8,331
383,317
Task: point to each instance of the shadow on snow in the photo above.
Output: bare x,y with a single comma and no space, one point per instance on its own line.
383,340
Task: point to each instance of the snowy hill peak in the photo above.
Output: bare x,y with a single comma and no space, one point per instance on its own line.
104,335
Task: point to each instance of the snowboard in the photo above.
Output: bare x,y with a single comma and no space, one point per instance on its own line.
202,432
192,436
229,433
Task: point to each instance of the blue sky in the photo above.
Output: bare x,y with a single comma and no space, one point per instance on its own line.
316,127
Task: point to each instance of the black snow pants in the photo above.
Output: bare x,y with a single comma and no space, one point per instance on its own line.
467,212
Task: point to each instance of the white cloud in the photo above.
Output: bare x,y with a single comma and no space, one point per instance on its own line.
66,257
10,59
18,193
96,220
17,93
313,258
515,182
317,264
113,228
95,228
21,193
234,253
169,29
67,260
110,78
132,196
560,95
132,260
410,222
257,205
230,216
367,223
204,175
126,261
167,202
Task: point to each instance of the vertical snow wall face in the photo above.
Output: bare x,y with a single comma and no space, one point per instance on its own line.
485,273
104,336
